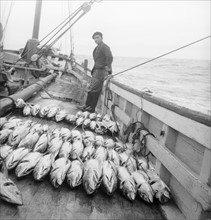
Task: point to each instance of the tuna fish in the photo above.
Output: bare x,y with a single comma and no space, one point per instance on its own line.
59,171
18,134
12,123
161,190
88,152
15,157
99,117
131,164
109,181
109,143
100,128
29,140
99,141
127,184
119,147
4,134
92,125
88,138
78,114
106,118
3,120
113,127
65,149
27,164
20,103
45,128
143,187
43,167
77,149
55,145
129,148
92,177
100,154
43,111
71,118
27,110
113,156
65,133
85,114
52,112
5,150
86,123
92,116
79,121
60,115
75,174
55,133
128,161
41,144
9,192
76,135
35,110
36,128
142,163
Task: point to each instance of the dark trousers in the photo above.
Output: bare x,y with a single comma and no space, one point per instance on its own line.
92,99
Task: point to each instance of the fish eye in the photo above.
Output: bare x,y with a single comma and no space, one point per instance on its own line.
8,184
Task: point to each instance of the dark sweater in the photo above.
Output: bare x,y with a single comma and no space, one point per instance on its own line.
102,56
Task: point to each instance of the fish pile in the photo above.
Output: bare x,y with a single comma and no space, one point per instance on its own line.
9,192
96,122
77,157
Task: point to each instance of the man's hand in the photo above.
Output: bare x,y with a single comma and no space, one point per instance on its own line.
107,68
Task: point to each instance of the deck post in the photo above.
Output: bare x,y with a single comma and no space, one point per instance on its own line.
37,19
85,66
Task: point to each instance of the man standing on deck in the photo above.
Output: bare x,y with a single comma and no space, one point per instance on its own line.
102,67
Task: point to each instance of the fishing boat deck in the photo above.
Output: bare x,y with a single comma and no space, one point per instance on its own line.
42,201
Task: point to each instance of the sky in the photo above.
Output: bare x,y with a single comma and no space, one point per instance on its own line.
130,28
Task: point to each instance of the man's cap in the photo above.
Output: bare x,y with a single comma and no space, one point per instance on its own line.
97,33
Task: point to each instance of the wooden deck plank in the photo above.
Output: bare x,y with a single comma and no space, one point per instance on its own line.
42,201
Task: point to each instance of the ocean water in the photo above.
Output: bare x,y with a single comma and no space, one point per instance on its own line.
182,81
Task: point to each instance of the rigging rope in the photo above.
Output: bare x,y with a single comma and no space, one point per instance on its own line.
10,10
71,32
63,24
172,51
52,43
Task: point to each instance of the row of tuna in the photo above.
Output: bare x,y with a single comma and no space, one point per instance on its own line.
96,122
80,158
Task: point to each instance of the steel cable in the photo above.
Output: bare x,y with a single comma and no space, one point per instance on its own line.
172,51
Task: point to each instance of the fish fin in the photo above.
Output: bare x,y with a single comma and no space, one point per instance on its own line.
4,168
121,184
79,158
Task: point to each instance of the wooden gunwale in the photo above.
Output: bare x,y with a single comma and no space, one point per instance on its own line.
185,132
201,192
192,114
169,117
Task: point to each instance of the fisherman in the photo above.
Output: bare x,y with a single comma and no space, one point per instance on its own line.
102,68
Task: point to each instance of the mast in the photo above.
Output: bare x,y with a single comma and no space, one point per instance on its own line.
37,19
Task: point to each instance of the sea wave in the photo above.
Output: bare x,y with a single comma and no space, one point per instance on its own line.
182,81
